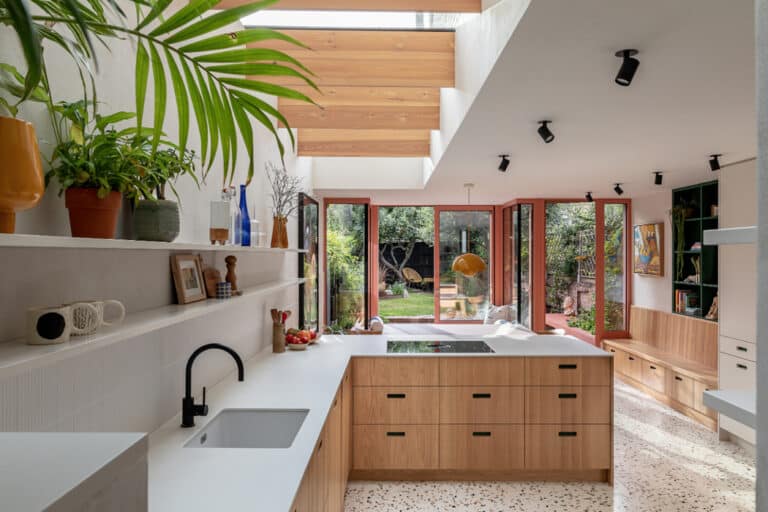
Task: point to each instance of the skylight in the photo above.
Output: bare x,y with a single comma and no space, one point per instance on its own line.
366,20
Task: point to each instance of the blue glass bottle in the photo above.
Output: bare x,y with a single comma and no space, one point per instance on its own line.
245,220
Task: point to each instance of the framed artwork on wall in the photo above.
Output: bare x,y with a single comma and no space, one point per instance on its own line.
648,249
188,278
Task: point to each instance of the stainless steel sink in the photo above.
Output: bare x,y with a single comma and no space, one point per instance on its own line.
250,428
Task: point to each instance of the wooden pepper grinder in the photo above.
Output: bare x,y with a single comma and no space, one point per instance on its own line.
231,278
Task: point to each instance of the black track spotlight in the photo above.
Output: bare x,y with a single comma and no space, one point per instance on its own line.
545,133
619,191
714,162
588,197
628,68
504,163
658,178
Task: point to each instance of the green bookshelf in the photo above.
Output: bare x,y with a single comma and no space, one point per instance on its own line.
698,202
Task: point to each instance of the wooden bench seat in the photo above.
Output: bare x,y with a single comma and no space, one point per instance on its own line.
671,361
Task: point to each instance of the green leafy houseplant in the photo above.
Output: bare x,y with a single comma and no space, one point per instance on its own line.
206,73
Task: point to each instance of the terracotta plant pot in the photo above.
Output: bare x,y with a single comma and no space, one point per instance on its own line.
280,233
21,171
90,216
156,221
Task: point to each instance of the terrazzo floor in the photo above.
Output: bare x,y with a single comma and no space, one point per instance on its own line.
664,462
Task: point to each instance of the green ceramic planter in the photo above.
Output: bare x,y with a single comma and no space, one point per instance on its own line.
156,221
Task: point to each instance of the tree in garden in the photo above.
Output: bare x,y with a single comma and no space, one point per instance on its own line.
400,229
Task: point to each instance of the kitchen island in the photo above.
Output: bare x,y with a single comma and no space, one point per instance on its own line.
536,408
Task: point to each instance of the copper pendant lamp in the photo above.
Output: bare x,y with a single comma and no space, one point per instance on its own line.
468,264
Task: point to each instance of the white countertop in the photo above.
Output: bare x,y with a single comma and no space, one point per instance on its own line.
205,479
739,404
39,468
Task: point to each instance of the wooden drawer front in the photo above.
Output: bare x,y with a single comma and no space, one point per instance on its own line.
737,373
395,447
403,371
396,405
698,399
568,447
482,371
628,365
568,371
482,447
482,405
654,376
738,348
682,389
558,405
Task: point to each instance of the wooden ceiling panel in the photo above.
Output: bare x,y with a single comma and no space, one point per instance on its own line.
350,143
368,5
364,41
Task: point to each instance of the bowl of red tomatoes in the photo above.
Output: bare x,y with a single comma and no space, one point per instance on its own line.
300,340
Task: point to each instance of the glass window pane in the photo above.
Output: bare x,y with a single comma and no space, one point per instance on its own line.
464,232
308,239
615,259
524,230
346,239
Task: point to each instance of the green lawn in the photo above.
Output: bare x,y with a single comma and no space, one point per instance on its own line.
417,304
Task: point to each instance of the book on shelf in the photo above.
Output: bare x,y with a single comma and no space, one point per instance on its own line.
686,301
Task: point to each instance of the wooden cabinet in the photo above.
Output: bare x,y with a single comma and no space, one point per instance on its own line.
682,389
654,376
568,371
482,447
395,405
555,405
346,424
482,371
568,447
395,370
395,447
482,405
335,478
698,399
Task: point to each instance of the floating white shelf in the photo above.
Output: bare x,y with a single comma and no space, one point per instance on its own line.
66,242
729,236
16,355
740,405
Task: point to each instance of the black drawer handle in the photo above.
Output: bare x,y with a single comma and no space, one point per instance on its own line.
631,358
652,367
741,366
569,366
396,434
395,395
567,434
319,445
613,350
481,434
481,395
742,349
567,395
678,378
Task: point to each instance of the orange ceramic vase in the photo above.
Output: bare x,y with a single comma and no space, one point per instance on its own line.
21,171
280,232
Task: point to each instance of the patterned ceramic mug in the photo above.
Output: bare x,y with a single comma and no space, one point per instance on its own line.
87,321
52,325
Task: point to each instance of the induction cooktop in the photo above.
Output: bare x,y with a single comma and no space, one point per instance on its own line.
437,347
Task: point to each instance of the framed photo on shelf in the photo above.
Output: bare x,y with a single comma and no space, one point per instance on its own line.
188,278
648,249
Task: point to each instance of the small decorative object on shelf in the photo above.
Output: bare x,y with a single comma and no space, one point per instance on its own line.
231,278
714,210
84,319
285,194
696,246
21,182
245,219
54,325
714,309
223,290
221,220
212,278
188,278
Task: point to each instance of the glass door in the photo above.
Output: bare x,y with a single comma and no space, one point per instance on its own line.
614,267
463,232
517,260
309,293
346,238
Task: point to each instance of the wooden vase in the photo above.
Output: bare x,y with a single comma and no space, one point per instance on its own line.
278,338
21,171
279,232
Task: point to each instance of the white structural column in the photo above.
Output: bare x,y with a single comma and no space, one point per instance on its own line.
761,32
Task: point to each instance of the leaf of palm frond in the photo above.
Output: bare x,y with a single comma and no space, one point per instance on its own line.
21,19
250,55
219,20
267,88
13,82
104,121
75,10
264,120
239,38
142,74
182,100
199,108
156,10
246,130
160,94
192,10
261,70
210,109
231,131
266,107
221,125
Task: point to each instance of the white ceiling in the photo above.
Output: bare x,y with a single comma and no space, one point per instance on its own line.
693,95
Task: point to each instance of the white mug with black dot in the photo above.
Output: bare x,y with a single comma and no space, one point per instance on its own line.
52,325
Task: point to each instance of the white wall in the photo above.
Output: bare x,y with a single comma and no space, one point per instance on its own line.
654,292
